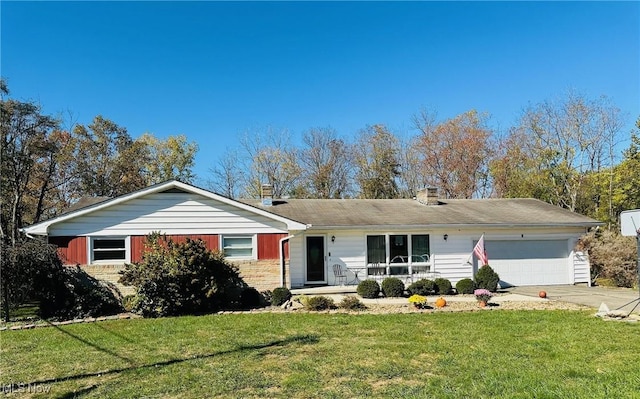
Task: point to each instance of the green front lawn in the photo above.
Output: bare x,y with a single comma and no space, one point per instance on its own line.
488,354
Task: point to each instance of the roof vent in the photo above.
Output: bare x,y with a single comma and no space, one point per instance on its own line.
267,195
428,196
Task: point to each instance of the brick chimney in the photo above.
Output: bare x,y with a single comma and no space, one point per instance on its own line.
266,195
428,196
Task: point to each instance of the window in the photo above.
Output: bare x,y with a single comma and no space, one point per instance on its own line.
420,248
109,250
238,246
402,248
376,249
398,248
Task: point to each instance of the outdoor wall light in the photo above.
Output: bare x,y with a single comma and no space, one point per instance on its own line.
333,238
446,236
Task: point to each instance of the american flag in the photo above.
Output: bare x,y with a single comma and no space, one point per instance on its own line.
480,252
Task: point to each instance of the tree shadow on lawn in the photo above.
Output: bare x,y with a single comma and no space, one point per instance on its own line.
91,344
302,339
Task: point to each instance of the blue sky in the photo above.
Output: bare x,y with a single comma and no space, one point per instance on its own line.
214,70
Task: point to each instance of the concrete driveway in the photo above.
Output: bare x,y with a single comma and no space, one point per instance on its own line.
614,298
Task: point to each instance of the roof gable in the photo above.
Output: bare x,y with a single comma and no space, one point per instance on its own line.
170,187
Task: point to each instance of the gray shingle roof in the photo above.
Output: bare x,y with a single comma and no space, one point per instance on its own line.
407,212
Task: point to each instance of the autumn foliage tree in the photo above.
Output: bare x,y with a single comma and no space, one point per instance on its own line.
456,153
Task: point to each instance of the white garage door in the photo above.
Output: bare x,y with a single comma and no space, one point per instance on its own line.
531,262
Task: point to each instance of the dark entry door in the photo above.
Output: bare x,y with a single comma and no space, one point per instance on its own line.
315,260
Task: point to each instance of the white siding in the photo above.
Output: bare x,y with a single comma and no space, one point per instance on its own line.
449,258
170,213
581,268
296,262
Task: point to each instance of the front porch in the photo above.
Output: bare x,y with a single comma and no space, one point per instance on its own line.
406,272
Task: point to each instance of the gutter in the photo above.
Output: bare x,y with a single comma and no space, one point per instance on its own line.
282,258
24,231
454,225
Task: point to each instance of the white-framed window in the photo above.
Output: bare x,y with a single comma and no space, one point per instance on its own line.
109,250
239,246
398,248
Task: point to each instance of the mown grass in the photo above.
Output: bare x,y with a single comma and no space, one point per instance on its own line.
494,354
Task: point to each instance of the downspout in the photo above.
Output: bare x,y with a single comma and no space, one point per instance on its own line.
282,258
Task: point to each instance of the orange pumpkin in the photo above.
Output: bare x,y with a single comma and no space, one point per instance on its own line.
441,302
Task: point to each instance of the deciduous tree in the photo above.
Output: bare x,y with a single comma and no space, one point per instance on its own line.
26,164
269,158
563,141
456,153
227,175
325,164
173,158
377,166
109,161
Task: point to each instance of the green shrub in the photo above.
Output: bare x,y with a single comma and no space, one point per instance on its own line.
392,287
182,278
465,286
487,278
368,289
250,298
351,302
319,303
80,295
443,285
280,295
33,271
422,287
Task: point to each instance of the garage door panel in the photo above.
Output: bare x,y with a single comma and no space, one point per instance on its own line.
532,262
529,249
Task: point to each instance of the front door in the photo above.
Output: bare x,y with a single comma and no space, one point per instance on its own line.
315,260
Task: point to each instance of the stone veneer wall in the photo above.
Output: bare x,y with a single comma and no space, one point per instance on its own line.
262,275
110,274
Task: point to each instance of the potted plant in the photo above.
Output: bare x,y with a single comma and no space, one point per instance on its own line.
483,296
418,301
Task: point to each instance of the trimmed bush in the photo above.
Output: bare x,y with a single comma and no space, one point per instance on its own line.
465,286
368,289
351,302
422,287
392,287
280,295
319,303
487,278
443,285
